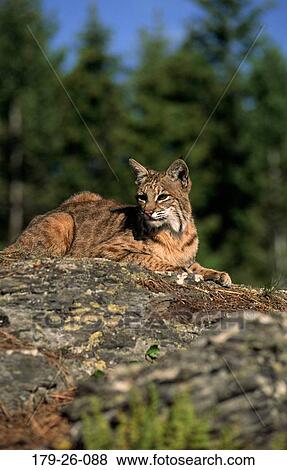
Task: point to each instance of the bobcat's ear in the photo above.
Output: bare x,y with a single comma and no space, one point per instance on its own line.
178,170
139,170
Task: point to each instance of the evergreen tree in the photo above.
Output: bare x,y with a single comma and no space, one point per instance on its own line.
29,120
224,31
147,103
93,87
266,171
222,34
168,103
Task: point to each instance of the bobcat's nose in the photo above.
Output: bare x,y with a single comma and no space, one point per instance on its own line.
149,213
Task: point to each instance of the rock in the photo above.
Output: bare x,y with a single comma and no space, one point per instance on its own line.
236,375
87,314
63,320
26,378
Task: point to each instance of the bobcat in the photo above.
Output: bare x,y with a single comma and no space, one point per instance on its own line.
157,233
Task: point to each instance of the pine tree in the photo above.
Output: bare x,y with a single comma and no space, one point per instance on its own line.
223,34
267,168
168,103
147,105
92,85
29,120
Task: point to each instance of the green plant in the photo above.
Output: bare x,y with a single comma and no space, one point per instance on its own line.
147,425
279,441
270,288
98,373
96,429
152,353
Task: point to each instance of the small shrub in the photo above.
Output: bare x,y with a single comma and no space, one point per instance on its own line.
146,425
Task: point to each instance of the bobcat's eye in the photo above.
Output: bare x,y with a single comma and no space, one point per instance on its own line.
162,197
142,197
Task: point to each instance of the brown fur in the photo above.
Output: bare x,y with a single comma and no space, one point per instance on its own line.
158,233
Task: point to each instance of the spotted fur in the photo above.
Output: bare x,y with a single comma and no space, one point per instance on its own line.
157,233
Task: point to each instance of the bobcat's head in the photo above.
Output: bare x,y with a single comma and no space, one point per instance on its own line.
163,195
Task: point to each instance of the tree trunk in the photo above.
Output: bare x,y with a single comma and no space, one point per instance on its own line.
279,241
16,160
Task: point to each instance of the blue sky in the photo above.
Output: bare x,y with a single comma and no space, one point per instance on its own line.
126,17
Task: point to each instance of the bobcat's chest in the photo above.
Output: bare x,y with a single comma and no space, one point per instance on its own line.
176,250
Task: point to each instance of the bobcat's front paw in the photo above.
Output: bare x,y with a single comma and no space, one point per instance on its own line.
224,279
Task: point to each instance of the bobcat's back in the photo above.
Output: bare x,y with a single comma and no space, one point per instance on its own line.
96,221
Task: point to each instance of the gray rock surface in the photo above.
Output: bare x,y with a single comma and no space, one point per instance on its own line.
235,375
62,320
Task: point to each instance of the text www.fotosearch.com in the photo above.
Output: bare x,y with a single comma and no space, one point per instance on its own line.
160,460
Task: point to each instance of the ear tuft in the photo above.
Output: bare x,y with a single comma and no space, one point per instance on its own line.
139,170
178,170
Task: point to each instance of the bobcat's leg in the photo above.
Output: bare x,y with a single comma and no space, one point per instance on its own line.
211,274
135,252
47,235
150,262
